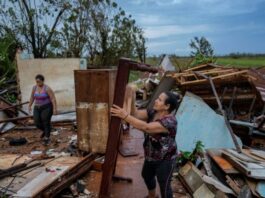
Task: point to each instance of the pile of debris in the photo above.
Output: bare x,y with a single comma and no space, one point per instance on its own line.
222,108
217,103
45,175
241,93
230,174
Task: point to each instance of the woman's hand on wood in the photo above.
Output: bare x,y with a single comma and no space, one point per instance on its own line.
118,112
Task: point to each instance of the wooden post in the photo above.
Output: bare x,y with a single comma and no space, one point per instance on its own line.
123,72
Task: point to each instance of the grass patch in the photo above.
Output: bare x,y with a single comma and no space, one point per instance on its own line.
184,63
245,62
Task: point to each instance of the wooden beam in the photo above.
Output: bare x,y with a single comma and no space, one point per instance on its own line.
15,119
196,67
214,78
68,178
9,103
14,106
123,72
212,71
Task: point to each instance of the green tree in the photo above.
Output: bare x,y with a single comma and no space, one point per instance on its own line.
102,31
202,51
7,56
34,22
98,29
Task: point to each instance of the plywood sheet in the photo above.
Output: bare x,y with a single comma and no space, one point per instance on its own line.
8,160
40,182
29,183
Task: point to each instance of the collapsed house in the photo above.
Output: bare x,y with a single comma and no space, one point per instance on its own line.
240,91
91,156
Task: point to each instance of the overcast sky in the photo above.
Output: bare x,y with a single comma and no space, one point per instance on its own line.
230,25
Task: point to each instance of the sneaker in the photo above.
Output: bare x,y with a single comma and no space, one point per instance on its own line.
46,141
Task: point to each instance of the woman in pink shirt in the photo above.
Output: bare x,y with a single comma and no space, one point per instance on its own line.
44,107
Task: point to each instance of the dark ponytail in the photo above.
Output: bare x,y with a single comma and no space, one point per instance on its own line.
172,100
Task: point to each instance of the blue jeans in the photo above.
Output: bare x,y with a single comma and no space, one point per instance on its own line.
163,171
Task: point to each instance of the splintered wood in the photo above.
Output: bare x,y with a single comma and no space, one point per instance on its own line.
189,77
239,90
34,181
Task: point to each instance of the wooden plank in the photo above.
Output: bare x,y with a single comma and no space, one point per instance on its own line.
207,72
114,132
217,184
14,106
249,153
260,154
28,175
241,156
214,78
232,184
8,159
225,165
222,163
197,67
69,177
190,177
176,75
9,103
124,68
15,119
203,191
252,170
32,188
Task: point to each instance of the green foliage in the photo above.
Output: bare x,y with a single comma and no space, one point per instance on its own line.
98,29
186,156
7,55
202,51
33,22
201,59
10,97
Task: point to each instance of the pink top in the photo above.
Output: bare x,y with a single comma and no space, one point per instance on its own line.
42,97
